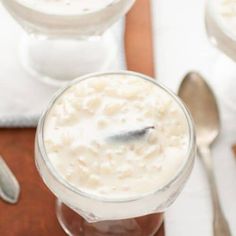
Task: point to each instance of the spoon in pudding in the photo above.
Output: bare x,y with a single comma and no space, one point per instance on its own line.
200,100
130,135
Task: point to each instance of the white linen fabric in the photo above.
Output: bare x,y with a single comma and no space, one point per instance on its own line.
181,45
23,97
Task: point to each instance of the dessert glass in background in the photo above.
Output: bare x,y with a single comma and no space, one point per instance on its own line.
220,20
65,39
108,186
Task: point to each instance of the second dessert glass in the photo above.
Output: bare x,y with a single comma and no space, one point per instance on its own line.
67,38
80,213
220,35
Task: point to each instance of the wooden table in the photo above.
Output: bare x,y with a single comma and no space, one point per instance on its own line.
34,215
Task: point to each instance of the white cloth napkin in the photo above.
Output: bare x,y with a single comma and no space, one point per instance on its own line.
181,45
22,97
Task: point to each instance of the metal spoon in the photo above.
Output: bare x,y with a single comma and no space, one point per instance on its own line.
129,135
9,186
201,102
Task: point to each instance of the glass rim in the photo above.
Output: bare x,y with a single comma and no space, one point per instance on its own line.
212,5
41,147
75,14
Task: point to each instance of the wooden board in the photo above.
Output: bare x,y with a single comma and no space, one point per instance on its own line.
34,215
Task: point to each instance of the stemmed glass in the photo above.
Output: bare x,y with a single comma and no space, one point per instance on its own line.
220,18
65,39
81,213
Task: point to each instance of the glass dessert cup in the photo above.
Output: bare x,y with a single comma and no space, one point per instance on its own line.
80,213
58,46
223,39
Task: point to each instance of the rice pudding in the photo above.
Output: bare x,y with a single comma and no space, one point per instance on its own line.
77,18
79,126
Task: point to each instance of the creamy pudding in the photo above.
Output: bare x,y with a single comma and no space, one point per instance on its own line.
77,18
67,7
92,136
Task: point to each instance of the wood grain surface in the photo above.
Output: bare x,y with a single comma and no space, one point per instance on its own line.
34,214
138,38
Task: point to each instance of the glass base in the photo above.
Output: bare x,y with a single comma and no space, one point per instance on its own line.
57,61
74,225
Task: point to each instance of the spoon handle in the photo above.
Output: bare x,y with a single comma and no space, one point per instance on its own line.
220,224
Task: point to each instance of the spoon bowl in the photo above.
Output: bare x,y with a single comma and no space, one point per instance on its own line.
201,102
